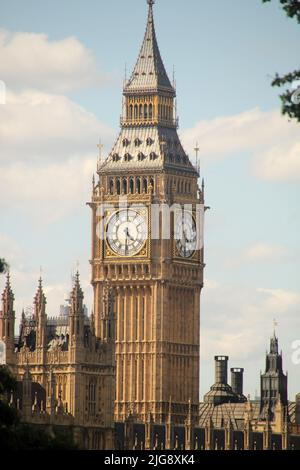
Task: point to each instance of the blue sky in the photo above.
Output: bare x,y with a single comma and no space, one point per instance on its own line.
63,63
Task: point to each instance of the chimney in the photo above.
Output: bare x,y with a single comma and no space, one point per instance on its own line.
237,380
221,363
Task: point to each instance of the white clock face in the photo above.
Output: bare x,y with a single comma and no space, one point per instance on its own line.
185,234
127,232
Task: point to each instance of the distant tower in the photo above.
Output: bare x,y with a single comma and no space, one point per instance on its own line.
273,383
40,317
7,320
76,319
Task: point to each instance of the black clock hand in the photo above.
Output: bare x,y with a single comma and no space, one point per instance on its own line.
127,233
126,241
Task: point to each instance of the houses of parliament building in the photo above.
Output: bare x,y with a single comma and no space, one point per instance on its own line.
127,376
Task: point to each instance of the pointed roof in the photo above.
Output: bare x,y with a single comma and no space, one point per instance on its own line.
7,293
274,344
77,291
40,298
149,74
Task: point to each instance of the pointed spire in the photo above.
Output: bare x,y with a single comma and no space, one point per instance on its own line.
274,344
149,73
77,296
77,291
40,298
8,296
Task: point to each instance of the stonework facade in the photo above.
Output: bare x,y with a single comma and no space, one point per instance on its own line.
127,377
157,284
66,373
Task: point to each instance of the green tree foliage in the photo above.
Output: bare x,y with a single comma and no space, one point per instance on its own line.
3,266
289,107
291,7
15,435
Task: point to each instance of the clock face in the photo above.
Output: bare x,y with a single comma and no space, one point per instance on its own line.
185,234
127,232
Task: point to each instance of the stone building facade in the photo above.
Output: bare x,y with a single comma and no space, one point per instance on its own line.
128,376
66,373
226,419
157,280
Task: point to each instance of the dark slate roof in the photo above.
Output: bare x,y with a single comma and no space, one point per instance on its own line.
234,412
149,73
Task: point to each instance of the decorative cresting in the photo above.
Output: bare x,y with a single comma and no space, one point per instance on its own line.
149,95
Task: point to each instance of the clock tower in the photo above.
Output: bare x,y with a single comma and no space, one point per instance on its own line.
148,249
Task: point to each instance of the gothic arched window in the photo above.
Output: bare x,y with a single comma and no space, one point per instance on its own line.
145,185
152,183
131,185
118,186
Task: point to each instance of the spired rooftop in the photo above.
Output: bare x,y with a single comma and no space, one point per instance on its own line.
148,138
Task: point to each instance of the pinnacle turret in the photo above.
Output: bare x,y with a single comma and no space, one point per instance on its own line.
40,299
77,296
8,296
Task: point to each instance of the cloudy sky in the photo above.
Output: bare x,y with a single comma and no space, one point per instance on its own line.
63,63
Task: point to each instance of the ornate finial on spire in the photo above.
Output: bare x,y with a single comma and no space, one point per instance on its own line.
275,323
197,150
100,147
40,299
8,278
150,2
8,296
77,278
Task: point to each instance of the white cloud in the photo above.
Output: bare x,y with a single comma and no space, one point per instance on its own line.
237,321
36,126
281,163
268,137
48,154
30,60
263,252
24,280
280,301
49,192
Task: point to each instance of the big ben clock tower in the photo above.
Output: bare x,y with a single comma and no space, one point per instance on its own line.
146,248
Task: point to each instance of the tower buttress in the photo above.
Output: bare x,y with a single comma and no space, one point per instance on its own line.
108,316
40,315
26,392
7,320
76,317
